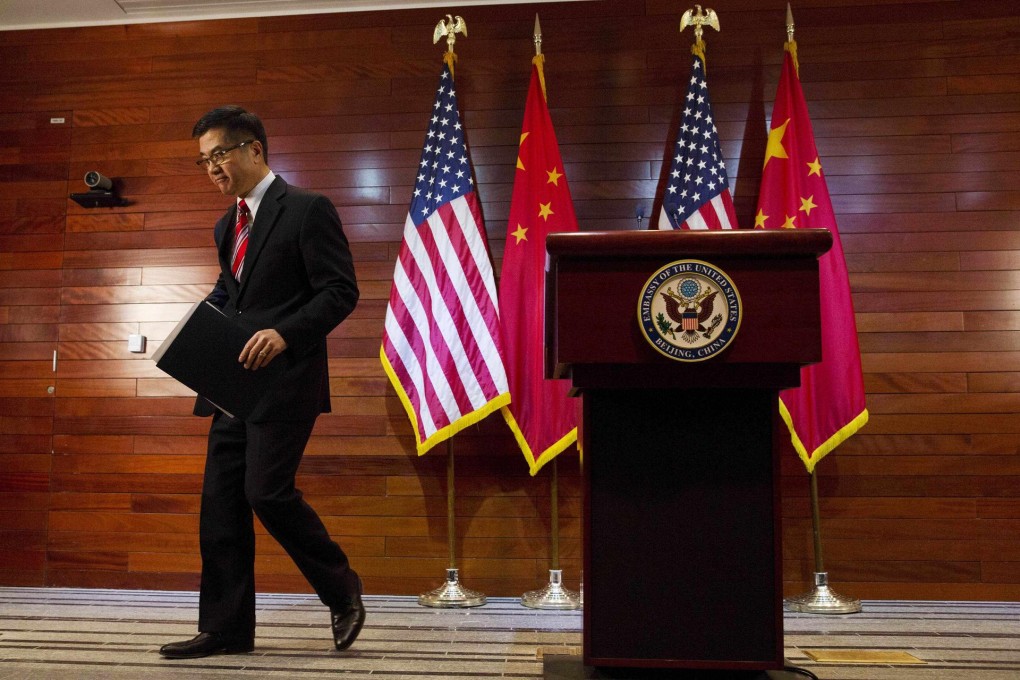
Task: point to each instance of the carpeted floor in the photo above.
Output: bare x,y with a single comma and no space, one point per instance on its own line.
57,634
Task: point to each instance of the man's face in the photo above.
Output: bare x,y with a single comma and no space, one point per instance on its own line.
239,170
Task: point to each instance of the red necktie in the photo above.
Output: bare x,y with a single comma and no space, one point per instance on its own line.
240,239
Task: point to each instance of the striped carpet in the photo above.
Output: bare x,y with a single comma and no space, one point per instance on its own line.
52,633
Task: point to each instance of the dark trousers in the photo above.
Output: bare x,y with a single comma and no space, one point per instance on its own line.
251,467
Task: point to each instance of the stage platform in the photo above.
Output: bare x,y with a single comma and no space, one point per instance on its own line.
60,634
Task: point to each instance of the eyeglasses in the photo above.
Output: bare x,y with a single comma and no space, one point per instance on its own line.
219,157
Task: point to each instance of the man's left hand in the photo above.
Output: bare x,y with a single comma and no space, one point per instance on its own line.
262,348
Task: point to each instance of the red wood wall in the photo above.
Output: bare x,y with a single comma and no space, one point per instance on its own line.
916,111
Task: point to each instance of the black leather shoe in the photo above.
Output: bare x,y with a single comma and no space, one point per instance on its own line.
206,644
347,623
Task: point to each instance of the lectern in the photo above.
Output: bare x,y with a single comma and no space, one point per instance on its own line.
678,343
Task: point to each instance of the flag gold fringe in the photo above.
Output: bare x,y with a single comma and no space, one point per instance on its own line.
450,58
811,458
698,50
539,61
453,428
791,47
536,462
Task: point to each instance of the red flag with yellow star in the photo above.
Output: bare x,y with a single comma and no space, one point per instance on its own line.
540,414
828,407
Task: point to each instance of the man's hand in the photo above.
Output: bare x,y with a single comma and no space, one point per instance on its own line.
262,348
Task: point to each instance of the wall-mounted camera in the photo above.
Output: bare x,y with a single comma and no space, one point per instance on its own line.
100,193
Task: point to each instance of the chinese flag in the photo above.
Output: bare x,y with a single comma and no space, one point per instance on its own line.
543,418
828,407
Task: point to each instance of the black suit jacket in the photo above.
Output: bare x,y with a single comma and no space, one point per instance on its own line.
298,279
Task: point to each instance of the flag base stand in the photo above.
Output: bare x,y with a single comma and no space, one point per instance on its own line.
553,596
822,599
451,594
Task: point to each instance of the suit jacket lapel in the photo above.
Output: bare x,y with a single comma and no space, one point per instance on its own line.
265,222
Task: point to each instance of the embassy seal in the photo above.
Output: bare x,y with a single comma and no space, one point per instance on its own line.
689,310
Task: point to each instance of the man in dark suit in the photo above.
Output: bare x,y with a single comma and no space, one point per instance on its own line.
287,274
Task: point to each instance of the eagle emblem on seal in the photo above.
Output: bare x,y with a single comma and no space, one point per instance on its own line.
689,310
690,307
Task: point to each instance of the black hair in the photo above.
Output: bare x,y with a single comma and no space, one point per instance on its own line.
237,122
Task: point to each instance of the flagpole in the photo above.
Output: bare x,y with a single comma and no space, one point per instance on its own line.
554,595
821,599
554,514
451,594
451,498
816,523
584,519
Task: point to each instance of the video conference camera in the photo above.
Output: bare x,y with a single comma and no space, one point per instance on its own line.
95,180
100,193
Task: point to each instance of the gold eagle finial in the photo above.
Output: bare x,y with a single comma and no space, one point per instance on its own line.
449,28
698,19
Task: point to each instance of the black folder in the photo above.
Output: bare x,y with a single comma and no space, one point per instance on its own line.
201,352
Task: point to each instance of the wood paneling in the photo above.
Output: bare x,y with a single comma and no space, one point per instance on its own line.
915,110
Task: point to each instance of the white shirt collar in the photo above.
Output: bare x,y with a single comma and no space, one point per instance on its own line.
254,197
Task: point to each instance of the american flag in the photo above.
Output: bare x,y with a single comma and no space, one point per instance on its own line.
441,344
698,192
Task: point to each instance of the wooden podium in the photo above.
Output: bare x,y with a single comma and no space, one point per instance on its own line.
682,558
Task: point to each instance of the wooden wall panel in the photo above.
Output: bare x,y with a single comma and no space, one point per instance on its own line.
916,111
31,247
